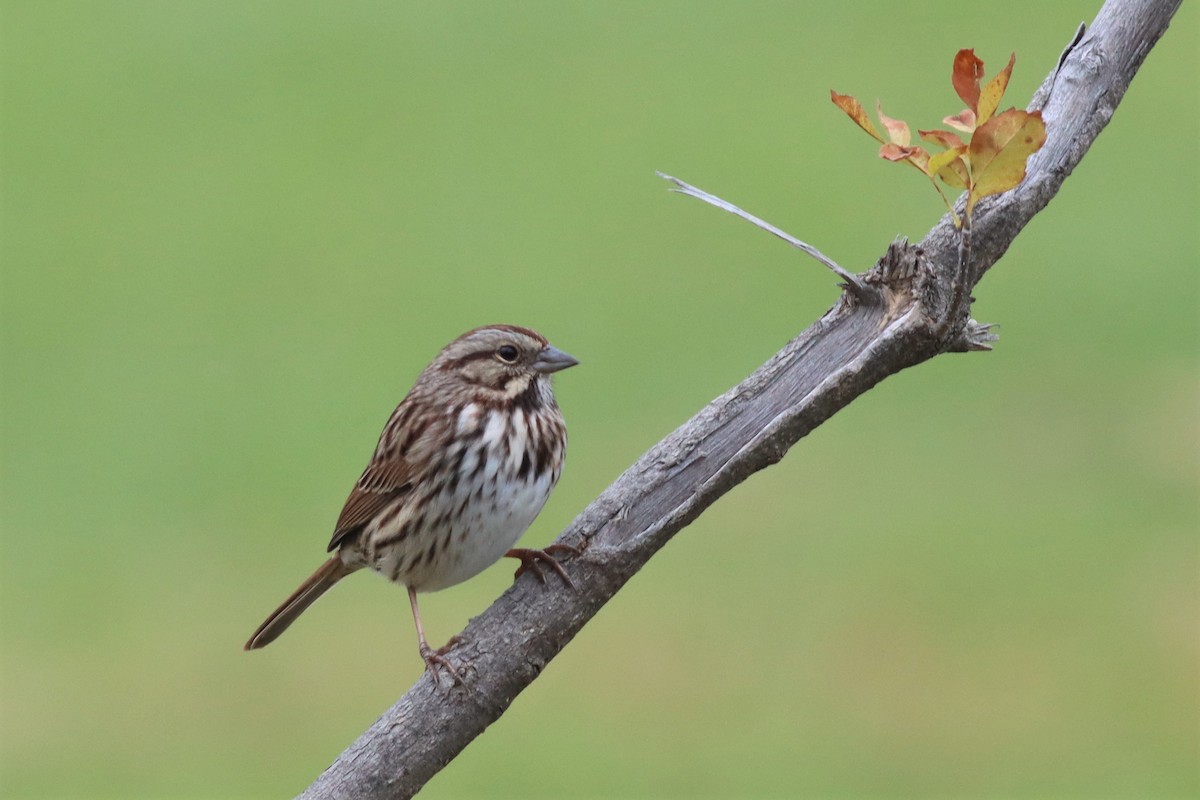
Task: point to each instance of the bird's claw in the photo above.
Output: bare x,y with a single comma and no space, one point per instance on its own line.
437,658
533,561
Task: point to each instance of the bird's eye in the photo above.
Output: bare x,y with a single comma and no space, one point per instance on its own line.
507,354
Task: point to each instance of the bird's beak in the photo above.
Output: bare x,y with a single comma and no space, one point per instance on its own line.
551,359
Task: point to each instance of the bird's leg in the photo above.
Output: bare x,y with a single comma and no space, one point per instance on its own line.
433,658
532,561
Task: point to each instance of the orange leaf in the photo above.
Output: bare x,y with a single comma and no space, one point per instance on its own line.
1000,149
989,98
894,152
944,138
897,129
968,69
962,121
855,111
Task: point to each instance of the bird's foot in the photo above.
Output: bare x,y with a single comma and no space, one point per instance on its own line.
435,659
534,561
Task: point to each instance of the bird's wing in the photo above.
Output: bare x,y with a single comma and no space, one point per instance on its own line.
399,462
361,506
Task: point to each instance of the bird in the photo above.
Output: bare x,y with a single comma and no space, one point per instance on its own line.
462,467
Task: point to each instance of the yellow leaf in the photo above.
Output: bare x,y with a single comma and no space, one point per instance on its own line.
955,175
897,129
946,157
989,98
949,166
1000,149
855,111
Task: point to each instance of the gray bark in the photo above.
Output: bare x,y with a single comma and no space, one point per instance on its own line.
911,306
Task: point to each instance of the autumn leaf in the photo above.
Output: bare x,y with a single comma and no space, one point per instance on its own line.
992,161
989,98
897,129
999,151
919,158
946,139
968,70
894,152
855,111
962,121
950,167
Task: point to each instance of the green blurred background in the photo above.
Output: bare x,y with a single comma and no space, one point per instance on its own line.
233,233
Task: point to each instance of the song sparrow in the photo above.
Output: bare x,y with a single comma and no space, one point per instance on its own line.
462,467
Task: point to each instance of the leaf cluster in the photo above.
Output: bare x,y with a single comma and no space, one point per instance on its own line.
993,157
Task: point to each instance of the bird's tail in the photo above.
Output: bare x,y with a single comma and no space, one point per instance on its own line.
317,584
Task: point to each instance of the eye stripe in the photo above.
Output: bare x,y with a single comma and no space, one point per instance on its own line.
478,355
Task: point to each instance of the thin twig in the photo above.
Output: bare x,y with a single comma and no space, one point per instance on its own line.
960,284
851,280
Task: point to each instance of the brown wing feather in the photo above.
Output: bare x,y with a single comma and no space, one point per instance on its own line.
361,506
399,462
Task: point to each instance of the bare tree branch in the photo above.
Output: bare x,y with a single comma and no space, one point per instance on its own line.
901,313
